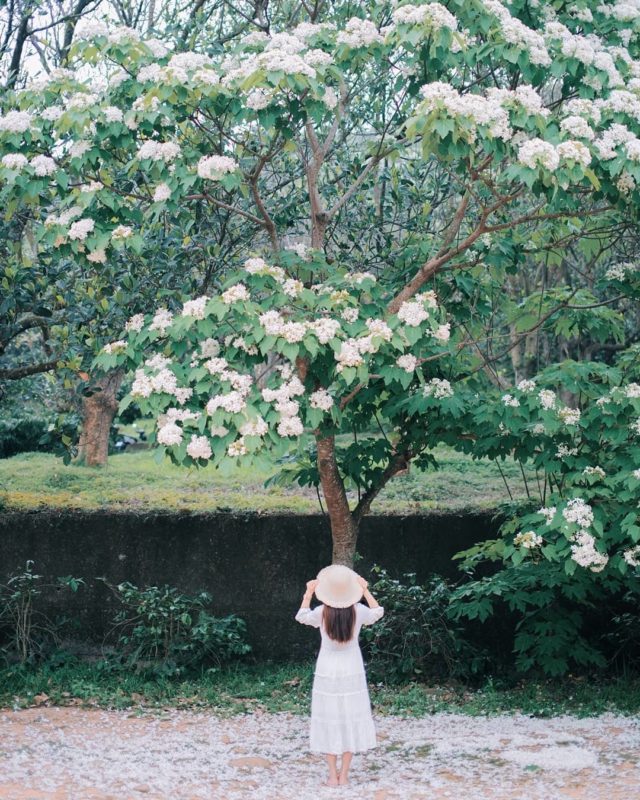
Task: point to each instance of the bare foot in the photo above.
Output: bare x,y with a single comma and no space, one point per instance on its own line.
343,780
331,782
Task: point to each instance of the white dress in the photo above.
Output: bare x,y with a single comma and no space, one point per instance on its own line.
341,719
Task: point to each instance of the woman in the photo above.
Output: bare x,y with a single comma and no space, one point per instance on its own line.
341,720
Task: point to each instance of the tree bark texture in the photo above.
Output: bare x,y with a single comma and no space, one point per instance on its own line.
98,411
344,529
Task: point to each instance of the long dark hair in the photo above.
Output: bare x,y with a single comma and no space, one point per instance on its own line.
339,622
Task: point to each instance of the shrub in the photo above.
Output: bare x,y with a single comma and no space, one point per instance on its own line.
22,436
31,633
161,629
415,638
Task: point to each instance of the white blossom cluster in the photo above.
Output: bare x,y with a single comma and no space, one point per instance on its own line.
598,471
536,153
213,168
620,272
359,33
161,380
570,416
632,556
510,400
321,399
290,423
578,512
407,362
527,539
158,151
195,308
584,552
438,388
548,512
434,15
518,34
547,398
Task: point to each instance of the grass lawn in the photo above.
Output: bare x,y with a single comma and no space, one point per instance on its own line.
272,687
134,481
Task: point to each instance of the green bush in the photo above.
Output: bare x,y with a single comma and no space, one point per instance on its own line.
22,436
31,634
415,638
162,630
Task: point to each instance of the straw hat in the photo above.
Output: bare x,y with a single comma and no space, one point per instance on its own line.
338,586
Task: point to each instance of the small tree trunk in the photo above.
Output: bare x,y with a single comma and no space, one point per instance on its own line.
344,529
98,410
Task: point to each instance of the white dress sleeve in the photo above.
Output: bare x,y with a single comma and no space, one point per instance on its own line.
309,616
369,615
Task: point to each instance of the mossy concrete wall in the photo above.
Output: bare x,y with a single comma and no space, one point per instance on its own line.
253,565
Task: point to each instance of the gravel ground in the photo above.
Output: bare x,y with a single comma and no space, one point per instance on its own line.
89,754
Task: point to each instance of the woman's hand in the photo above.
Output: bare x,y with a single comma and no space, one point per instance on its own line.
362,582
311,586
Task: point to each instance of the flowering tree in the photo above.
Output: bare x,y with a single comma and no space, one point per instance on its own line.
524,121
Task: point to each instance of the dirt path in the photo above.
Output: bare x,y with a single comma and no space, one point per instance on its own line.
81,754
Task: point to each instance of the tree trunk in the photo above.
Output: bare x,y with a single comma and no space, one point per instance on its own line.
344,529
98,411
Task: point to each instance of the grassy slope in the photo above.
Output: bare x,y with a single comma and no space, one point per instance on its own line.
133,481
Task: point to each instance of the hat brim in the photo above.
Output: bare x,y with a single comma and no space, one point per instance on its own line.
323,592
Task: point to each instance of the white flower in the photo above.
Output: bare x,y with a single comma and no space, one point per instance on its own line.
115,347
233,402
15,122
537,152
161,320
15,161
98,256
121,232
324,328
528,540
563,451
438,388
584,552
290,426
632,556
169,434
330,98
578,512
594,471
199,447
237,448
321,399
412,313
43,166
359,33
349,355
407,362
135,323
254,427
570,416
509,400
81,229
216,366
547,398
113,114
215,167
378,327
162,192
526,386
632,390
158,151
195,308
258,99
78,149
549,513
443,332
292,287
234,294
349,314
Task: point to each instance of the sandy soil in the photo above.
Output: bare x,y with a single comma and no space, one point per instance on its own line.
54,753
